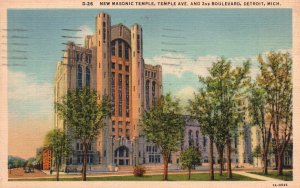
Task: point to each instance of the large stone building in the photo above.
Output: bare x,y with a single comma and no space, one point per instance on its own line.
111,62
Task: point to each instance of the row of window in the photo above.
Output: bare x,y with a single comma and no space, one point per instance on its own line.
154,158
120,49
80,57
191,139
120,130
151,149
120,103
80,159
148,93
120,94
150,74
120,67
120,123
79,147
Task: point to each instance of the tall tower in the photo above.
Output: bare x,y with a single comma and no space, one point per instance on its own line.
103,72
137,65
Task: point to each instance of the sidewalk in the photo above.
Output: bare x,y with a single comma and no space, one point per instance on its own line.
264,178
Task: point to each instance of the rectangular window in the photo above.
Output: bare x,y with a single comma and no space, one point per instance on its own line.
120,94
113,123
104,31
79,159
120,130
126,51
113,130
113,66
120,48
113,93
127,94
120,123
90,159
120,67
127,123
138,43
127,68
113,48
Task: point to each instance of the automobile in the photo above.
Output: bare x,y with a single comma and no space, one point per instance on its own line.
27,170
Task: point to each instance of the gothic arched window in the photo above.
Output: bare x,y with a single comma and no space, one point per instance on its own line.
79,76
87,76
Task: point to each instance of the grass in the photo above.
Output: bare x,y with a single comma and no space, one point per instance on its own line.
172,177
287,175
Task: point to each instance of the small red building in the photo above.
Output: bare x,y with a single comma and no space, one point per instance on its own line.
47,158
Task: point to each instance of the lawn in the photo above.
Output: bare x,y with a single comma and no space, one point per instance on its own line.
172,177
287,175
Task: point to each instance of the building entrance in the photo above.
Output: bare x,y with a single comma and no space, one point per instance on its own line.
121,156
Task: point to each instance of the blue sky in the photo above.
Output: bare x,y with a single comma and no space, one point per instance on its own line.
204,35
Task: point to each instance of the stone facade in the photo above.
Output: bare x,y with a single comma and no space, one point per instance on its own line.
111,62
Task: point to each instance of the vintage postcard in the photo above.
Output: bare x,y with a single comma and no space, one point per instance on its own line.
149,93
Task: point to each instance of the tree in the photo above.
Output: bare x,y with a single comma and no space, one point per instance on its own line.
218,103
163,125
276,80
220,140
15,162
84,116
256,153
189,158
202,107
257,109
57,141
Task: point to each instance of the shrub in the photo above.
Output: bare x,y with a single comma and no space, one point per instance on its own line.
139,171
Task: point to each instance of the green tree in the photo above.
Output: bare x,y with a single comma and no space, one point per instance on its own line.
256,153
17,163
84,116
163,125
276,79
57,141
257,109
202,107
218,104
189,158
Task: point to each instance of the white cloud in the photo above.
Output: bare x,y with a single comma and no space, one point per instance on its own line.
178,64
85,30
21,87
186,93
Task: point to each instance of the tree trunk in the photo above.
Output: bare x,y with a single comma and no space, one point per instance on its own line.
228,153
220,152
211,158
265,161
166,160
189,174
85,148
276,160
280,164
57,172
